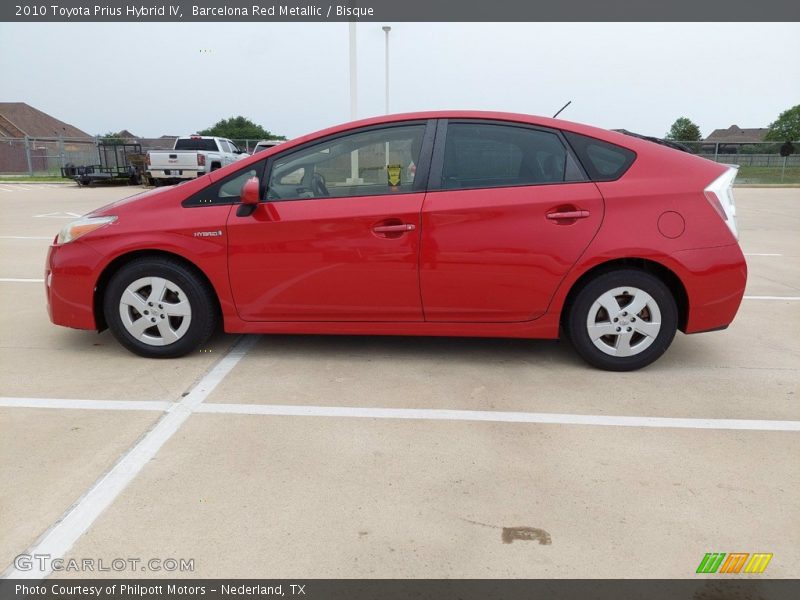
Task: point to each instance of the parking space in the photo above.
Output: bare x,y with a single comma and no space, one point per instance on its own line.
50,458
358,498
401,457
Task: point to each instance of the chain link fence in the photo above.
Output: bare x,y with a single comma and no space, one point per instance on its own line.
46,156
759,163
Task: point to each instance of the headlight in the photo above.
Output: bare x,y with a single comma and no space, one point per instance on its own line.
72,231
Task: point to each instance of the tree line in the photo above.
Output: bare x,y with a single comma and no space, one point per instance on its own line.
786,128
234,128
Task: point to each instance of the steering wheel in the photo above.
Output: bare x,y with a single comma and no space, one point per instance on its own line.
318,185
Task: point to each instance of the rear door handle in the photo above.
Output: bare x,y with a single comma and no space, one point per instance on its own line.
401,228
568,214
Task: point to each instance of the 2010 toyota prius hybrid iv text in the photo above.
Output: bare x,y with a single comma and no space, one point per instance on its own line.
438,223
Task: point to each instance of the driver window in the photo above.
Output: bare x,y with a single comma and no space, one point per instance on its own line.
375,162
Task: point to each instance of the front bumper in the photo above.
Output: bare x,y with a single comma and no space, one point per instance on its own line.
70,277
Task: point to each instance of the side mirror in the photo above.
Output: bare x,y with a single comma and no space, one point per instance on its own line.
249,197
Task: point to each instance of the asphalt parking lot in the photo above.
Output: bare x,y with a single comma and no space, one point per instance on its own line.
284,456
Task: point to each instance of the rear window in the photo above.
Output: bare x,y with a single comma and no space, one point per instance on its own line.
484,155
196,144
601,160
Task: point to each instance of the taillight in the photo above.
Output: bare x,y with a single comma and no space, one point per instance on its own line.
712,198
720,195
201,160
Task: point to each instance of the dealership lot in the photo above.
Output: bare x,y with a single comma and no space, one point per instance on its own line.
283,456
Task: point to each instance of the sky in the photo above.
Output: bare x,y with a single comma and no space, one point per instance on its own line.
293,78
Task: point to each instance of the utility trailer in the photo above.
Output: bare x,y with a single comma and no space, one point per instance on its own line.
117,161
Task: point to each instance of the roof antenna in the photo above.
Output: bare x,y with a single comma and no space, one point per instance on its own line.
562,108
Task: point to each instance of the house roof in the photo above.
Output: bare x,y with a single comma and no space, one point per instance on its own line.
18,119
127,135
735,134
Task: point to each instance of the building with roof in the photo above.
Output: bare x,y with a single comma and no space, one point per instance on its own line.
34,142
738,135
18,119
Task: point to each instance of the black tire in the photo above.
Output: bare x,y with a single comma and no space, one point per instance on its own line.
215,166
646,349
203,316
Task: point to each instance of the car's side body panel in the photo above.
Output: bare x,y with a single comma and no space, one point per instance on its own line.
198,237
493,255
322,260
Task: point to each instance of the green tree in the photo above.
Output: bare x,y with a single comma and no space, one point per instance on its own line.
111,138
684,130
786,128
240,128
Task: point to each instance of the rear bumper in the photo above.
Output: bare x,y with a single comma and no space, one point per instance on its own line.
70,275
175,173
715,280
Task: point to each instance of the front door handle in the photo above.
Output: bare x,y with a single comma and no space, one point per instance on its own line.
401,228
568,214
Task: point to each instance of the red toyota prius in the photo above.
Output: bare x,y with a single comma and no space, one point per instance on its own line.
436,224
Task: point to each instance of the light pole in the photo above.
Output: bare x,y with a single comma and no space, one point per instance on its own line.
354,178
353,73
386,30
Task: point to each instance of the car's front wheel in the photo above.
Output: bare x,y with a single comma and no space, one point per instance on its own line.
622,320
159,308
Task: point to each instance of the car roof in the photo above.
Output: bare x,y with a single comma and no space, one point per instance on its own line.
596,132
620,139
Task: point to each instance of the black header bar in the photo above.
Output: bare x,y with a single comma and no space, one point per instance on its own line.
717,587
215,11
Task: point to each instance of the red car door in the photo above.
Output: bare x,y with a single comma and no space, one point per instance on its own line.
512,214
337,238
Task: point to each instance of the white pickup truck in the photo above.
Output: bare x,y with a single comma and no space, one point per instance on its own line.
191,157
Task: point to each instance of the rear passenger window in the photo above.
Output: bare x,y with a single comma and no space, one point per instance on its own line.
481,155
603,161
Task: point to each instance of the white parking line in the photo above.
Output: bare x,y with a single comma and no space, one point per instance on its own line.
793,298
433,414
26,237
57,540
16,280
57,215
761,254
21,187
425,414
16,402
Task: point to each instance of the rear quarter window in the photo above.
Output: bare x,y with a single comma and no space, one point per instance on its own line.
602,161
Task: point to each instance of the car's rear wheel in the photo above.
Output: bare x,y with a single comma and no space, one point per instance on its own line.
622,320
159,308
